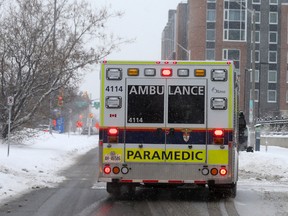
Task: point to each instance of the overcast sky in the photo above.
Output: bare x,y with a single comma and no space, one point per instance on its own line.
143,20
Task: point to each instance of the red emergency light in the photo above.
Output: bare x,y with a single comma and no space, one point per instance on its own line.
113,131
113,134
218,136
218,133
166,72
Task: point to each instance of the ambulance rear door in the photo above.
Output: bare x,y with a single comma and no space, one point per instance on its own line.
186,127
145,119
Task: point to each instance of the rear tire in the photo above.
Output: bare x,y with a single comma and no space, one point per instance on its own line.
121,190
113,188
227,190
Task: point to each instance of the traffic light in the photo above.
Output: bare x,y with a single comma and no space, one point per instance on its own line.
60,101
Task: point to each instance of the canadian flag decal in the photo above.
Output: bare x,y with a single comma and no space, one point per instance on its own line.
113,115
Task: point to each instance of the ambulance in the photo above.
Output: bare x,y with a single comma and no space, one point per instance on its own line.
167,124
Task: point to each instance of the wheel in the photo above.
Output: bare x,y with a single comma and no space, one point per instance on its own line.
121,190
233,190
113,188
227,190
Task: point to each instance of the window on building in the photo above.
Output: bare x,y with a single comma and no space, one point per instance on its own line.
274,2
210,54
257,17
231,54
257,37
273,37
272,56
257,56
234,35
210,35
273,18
236,15
234,21
256,1
211,15
256,76
272,76
256,95
272,94
256,99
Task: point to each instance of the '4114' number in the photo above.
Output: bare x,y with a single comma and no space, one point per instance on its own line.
114,89
135,120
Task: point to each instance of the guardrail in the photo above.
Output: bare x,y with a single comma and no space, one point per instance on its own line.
280,121
277,140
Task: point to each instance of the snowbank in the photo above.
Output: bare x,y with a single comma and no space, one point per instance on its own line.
36,163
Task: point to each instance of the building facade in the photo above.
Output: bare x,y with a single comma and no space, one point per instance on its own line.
223,30
169,37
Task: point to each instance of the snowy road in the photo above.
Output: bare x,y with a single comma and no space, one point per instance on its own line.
262,186
81,195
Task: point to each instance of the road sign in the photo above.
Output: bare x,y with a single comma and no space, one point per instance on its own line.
10,101
96,105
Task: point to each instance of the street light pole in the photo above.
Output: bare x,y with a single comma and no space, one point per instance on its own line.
188,52
252,95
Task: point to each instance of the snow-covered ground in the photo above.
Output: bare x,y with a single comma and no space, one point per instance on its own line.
262,186
36,163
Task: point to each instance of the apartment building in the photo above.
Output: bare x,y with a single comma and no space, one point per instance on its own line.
222,30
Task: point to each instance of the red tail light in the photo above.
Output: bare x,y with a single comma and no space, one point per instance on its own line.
223,171
107,170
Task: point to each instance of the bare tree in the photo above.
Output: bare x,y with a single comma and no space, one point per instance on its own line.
44,46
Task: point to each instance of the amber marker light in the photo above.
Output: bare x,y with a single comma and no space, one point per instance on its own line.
116,170
214,171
